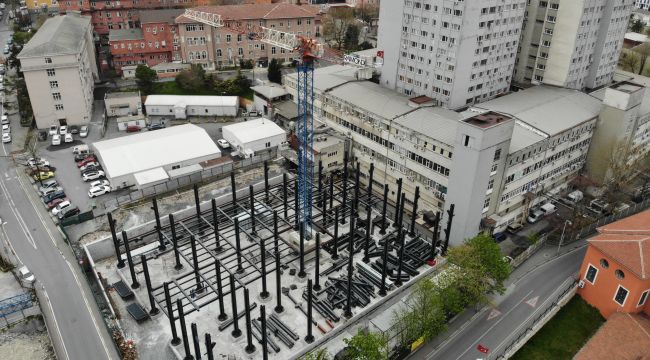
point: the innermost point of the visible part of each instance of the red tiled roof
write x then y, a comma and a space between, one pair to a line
623, 336
257, 11
628, 242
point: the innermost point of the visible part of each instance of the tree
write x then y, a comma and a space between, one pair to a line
320, 354
366, 45
336, 24
628, 61
275, 72
424, 314
644, 51
368, 12
352, 37
636, 26
366, 345
144, 77
192, 79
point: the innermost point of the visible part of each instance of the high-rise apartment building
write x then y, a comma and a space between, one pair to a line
456, 52
571, 43
642, 4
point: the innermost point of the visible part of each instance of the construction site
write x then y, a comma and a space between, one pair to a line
245, 275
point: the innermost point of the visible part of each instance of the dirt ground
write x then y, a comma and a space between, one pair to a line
27, 340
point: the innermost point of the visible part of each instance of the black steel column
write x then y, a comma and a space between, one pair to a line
250, 348
310, 337
383, 211
240, 269
152, 301
197, 204
371, 173
251, 198
264, 294
233, 297
135, 284
399, 193
348, 303
415, 210
222, 313
356, 188
284, 196
450, 218
177, 256
215, 220
195, 339
296, 205
301, 272
116, 242
366, 258
195, 262
209, 346
317, 265
266, 181
331, 191
382, 286
170, 314
320, 183
265, 350
335, 241
233, 188
345, 185
400, 259
158, 226
278, 266
436, 235
186, 342
324, 208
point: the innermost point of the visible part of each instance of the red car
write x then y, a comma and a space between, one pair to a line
85, 161
52, 204
133, 128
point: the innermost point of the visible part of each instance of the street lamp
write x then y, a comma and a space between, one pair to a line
562, 236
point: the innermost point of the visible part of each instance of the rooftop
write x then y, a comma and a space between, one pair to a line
158, 16
59, 35
120, 95
152, 149
435, 122
270, 91
373, 98
628, 242
257, 11
549, 109
252, 130
324, 141
125, 34
487, 120
625, 76
328, 77
623, 336
627, 87
170, 65
190, 100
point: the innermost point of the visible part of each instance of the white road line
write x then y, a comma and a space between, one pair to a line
27, 192
56, 323
21, 223
495, 324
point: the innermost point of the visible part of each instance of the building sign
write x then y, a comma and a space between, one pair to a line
353, 59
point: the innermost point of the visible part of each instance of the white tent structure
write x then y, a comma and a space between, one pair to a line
251, 136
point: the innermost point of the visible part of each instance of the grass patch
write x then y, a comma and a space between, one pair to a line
172, 88
564, 334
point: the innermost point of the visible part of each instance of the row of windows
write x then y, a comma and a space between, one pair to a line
140, 45
621, 294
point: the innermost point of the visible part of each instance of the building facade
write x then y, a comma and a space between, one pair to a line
59, 67
458, 53
41, 5
642, 4
225, 46
571, 43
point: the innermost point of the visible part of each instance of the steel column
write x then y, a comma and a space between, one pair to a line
186, 343
264, 294
301, 272
383, 211
215, 220
170, 314
116, 242
236, 332
310, 337
156, 214
366, 248
250, 348
152, 301
240, 269
335, 240
135, 284
195, 339
317, 265
450, 218
345, 185
266, 181
265, 350
222, 313
397, 201
415, 210
252, 208
177, 256
195, 261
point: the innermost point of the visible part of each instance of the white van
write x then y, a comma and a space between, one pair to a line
81, 149
548, 208
573, 197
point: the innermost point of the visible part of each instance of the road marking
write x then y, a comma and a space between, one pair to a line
494, 325
56, 323
29, 198
494, 313
533, 302
19, 219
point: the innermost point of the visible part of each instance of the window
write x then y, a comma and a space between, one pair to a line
591, 274
619, 274
174, 167
497, 154
604, 263
58, 107
54, 84
50, 72
621, 295
48, 60
56, 96
644, 297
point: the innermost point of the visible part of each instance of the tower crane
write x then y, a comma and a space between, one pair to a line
309, 50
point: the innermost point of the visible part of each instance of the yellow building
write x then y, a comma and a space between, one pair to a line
40, 4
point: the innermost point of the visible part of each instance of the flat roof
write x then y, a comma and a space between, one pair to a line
373, 98
435, 122
125, 34
170, 65
151, 176
152, 149
253, 130
549, 109
329, 77
159, 16
270, 91
192, 100
325, 140
487, 119
523, 137
120, 95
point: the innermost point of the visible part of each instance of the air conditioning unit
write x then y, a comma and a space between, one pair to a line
581, 284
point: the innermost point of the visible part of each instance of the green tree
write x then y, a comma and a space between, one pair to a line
628, 61
424, 314
352, 37
636, 26
320, 354
643, 51
366, 346
336, 24
480, 260
275, 72
145, 77
192, 79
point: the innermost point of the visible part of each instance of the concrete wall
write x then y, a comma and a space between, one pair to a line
178, 110
124, 105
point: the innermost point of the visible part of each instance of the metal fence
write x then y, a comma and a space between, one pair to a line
206, 175
530, 250
16, 308
538, 318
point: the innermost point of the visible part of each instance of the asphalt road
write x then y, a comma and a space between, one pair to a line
493, 327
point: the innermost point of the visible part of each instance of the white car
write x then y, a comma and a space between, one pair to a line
83, 132
89, 165
93, 175
63, 130
68, 138
5, 119
6, 128
26, 275
56, 139
54, 129
61, 206
6, 138
223, 143
33, 162
102, 182
50, 190
98, 190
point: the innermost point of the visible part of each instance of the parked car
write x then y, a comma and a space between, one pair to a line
156, 126
223, 143
68, 212
41, 169
86, 160
52, 196
83, 132
253, 113
60, 206
68, 138
93, 175
599, 207
534, 216
102, 182
25, 275
98, 190
81, 149
6, 138
548, 208
6, 128
82, 157
514, 228
52, 204
43, 175
48, 184
133, 128
500, 236
63, 129
5, 119
50, 190
74, 129
56, 139
54, 129
33, 162
89, 165
573, 197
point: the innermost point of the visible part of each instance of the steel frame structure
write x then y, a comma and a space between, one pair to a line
305, 131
